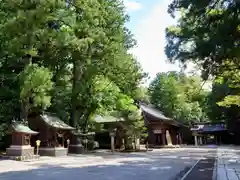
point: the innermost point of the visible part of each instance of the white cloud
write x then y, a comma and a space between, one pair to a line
132, 5
150, 34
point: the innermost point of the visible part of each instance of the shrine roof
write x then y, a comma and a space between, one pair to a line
154, 112
151, 110
19, 127
77, 132
107, 119
55, 122
209, 128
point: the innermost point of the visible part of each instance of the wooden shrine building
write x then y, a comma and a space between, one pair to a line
113, 126
209, 133
162, 131
20, 145
53, 133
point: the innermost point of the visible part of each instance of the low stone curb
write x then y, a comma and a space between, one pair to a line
21, 158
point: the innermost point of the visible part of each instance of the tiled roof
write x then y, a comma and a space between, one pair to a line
107, 119
209, 128
149, 109
22, 128
154, 112
55, 122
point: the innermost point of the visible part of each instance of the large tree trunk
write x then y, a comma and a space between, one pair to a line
74, 101
24, 110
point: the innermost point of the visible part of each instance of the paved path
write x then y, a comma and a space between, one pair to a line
204, 169
165, 164
228, 163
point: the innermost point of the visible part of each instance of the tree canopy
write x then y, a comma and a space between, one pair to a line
70, 58
179, 97
207, 33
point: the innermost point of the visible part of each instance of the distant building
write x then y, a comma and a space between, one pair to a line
162, 131
209, 133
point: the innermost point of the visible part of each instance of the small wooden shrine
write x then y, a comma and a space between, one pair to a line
115, 136
209, 133
79, 142
20, 146
53, 134
162, 131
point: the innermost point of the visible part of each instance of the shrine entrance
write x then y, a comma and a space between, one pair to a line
158, 139
162, 131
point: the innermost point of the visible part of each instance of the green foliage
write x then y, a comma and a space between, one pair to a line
207, 33
141, 94
35, 85
165, 93
230, 100
179, 96
68, 58
109, 99
136, 125
230, 74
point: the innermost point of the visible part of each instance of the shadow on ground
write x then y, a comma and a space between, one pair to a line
99, 172
142, 169
127, 166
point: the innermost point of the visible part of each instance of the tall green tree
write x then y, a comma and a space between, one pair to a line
207, 34
35, 86
231, 76
76, 41
179, 97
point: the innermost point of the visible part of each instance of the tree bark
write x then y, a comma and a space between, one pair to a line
75, 78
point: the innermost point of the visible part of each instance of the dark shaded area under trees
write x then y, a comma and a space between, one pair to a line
70, 59
208, 35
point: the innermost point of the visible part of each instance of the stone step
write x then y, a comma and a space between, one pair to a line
22, 158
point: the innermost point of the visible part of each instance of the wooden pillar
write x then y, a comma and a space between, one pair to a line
112, 134
22, 139
180, 138
200, 140
122, 144
196, 140
163, 138
112, 144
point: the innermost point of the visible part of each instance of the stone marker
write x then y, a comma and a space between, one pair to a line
168, 137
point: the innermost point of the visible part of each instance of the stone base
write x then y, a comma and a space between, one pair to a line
55, 151
76, 149
22, 158
164, 146
20, 151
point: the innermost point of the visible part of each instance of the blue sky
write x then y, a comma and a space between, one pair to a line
148, 21
149, 18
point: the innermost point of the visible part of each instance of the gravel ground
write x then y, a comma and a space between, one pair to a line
164, 164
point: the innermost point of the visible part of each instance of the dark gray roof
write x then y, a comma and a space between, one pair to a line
77, 132
204, 128
151, 110
107, 119
55, 122
154, 112
22, 128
